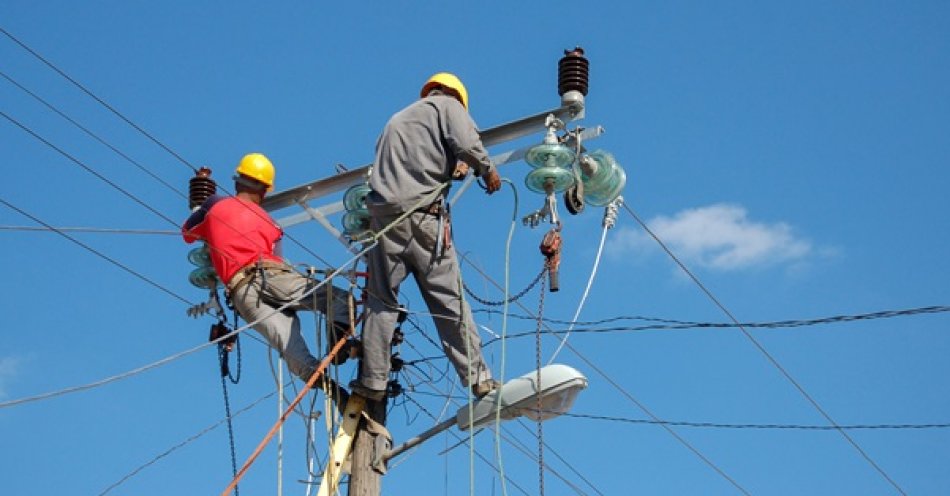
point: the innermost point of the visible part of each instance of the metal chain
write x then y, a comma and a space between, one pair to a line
222, 357
511, 299
537, 362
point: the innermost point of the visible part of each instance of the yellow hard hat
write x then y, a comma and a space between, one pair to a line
258, 167
450, 81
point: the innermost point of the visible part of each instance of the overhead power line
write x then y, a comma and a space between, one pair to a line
96, 98
129, 122
511, 439
775, 363
184, 443
623, 391
87, 168
686, 324
96, 230
92, 134
803, 427
98, 253
677, 325
724, 425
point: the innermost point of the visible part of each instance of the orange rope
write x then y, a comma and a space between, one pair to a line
260, 447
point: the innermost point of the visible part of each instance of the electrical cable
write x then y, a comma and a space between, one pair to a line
510, 439
193, 168
100, 176
184, 443
96, 98
91, 134
96, 252
765, 353
280, 422
481, 457
580, 306
686, 324
633, 399
522, 423
802, 427
504, 332
176, 356
96, 230
86, 167
735, 426
336, 348
537, 381
675, 325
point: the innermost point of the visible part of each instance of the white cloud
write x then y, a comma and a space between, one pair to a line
8, 371
719, 236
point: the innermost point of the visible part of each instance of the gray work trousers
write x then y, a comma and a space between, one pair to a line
276, 287
408, 248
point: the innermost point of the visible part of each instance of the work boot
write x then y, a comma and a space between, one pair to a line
482, 388
356, 387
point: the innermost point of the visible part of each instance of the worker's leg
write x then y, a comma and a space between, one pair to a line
281, 329
386, 271
287, 286
441, 287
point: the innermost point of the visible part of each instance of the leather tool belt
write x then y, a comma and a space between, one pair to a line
244, 275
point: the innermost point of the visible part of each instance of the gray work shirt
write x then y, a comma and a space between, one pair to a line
419, 149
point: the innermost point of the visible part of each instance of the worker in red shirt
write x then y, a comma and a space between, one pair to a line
244, 243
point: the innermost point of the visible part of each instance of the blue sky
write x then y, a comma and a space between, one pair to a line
793, 156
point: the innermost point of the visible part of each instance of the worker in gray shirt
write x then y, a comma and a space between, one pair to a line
421, 149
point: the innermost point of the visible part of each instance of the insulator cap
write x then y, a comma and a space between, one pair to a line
200, 188
573, 72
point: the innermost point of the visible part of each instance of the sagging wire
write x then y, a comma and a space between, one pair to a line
775, 363
96, 230
590, 363
96, 98
176, 356
510, 438
369, 244
91, 134
121, 116
280, 435
481, 457
468, 391
682, 325
610, 219
87, 168
504, 333
184, 443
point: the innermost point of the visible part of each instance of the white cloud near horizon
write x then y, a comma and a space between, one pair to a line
8, 371
719, 236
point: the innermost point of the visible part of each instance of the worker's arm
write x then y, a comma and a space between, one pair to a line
192, 228
464, 140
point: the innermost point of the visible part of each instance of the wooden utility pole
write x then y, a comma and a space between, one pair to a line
365, 480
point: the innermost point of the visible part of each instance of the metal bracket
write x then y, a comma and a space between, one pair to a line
212, 305
548, 211
382, 443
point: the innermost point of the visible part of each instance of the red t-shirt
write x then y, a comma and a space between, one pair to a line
238, 233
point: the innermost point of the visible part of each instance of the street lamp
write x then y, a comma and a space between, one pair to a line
559, 386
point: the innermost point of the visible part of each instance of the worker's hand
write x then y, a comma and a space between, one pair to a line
461, 170
492, 181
